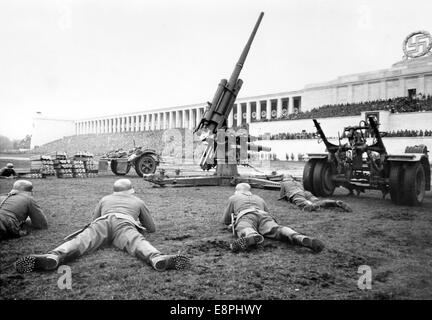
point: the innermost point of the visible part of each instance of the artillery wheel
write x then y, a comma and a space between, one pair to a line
308, 175
396, 182
145, 165
323, 184
414, 184
114, 168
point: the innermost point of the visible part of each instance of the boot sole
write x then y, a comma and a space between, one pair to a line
177, 262
314, 244
245, 242
32, 263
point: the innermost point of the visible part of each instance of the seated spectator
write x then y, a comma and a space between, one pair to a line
8, 171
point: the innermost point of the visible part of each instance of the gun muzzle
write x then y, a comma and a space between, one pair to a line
253, 147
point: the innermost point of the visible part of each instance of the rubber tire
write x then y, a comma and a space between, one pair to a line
323, 186
396, 178
114, 168
308, 175
148, 162
414, 184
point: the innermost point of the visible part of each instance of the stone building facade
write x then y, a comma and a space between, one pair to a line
411, 76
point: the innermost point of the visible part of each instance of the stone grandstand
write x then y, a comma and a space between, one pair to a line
99, 144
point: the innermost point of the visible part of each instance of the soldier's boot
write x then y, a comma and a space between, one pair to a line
37, 262
311, 207
343, 205
162, 262
245, 242
314, 244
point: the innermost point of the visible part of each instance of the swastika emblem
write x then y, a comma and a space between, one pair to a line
417, 44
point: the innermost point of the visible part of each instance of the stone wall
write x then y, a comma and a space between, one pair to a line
101, 143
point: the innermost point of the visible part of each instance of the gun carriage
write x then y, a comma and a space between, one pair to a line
357, 165
143, 160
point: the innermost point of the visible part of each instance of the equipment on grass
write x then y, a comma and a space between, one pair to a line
145, 161
358, 165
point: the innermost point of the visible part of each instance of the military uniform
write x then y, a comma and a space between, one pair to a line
15, 208
7, 172
250, 217
119, 219
294, 192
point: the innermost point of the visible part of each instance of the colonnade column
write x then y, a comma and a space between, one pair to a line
258, 110
198, 117
279, 107
248, 112
171, 120
290, 105
268, 109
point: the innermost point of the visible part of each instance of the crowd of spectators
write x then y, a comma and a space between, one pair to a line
309, 135
293, 136
409, 133
396, 105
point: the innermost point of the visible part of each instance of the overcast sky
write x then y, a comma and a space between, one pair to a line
75, 59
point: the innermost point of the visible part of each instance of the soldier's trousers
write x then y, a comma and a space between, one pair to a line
303, 199
104, 231
9, 226
252, 223
306, 199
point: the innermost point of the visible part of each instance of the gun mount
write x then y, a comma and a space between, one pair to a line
224, 150
357, 165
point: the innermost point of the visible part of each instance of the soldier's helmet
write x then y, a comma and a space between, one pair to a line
9, 165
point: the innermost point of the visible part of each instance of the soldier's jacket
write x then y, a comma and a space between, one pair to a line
240, 203
128, 206
289, 188
20, 206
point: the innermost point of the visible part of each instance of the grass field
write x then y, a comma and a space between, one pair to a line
395, 241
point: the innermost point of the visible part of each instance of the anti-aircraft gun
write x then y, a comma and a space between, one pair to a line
357, 165
213, 124
225, 149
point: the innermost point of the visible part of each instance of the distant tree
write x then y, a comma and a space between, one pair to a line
5, 143
25, 143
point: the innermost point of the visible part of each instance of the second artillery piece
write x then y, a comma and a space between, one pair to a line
357, 165
144, 160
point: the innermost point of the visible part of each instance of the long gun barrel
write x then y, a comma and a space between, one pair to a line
379, 145
330, 146
217, 113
